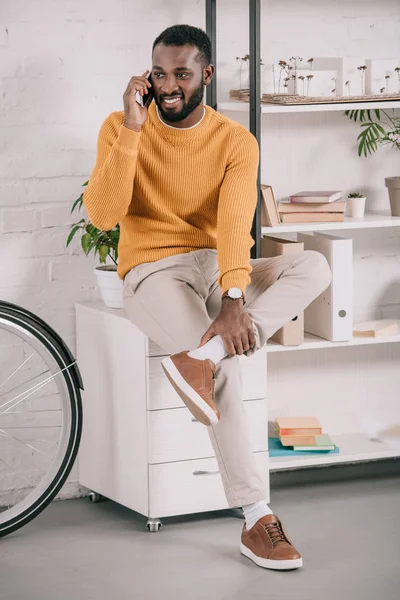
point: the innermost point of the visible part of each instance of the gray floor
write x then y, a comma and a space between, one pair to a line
348, 534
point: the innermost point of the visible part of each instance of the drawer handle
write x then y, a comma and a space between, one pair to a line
205, 472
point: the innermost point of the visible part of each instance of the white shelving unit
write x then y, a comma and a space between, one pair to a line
371, 220
238, 106
312, 342
357, 446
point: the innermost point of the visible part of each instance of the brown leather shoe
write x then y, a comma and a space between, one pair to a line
268, 545
194, 381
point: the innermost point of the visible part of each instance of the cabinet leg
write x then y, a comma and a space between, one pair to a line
153, 525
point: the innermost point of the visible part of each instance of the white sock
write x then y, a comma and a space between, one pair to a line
253, 512
213, 349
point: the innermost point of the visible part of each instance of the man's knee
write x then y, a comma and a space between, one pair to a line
319, 269
228, 367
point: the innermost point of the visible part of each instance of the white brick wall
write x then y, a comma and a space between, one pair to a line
64, 67
19, 219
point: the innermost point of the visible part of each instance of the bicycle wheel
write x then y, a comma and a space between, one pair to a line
40, 415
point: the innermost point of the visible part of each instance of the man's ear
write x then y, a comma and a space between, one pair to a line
208, 73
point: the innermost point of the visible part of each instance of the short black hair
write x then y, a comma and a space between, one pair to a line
180, 35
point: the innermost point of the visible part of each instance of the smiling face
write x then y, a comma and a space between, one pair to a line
178, 79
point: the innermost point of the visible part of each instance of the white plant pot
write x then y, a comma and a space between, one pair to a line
110, 285
356, 207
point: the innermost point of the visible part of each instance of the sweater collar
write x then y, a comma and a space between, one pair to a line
178, 135
172, 127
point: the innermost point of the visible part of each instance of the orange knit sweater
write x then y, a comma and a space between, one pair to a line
176, 190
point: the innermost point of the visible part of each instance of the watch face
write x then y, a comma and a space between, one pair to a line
235, 292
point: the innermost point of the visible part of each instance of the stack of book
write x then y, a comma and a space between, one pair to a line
311, 207
303, 207
300, 435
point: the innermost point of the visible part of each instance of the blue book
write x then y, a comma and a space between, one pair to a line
275, 448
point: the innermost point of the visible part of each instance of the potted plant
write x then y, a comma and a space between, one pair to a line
356, 203
105, 245
393, 185
379, 129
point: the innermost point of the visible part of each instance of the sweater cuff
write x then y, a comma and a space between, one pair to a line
239, 279
128, 139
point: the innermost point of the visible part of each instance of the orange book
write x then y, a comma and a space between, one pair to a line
290, 207
310, 217
297, 426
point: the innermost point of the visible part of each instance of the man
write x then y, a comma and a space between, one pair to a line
181, 180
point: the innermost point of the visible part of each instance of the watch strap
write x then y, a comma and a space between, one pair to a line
226, 295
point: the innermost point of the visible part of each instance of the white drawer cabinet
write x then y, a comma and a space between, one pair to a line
161, 394
176, 434
189, 486
140, 445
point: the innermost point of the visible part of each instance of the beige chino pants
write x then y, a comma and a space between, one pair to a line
175, 299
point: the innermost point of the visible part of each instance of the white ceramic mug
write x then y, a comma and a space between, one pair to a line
356, 207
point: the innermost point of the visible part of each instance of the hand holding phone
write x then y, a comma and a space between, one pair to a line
148, 97
136, 115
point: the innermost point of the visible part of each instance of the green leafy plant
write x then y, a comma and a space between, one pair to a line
103, 243
378, 129
355, 195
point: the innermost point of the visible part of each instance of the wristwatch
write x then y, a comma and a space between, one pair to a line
234, 293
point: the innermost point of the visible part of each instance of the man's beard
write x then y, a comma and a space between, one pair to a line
187, 108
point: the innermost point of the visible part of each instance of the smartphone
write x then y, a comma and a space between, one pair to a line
147, 98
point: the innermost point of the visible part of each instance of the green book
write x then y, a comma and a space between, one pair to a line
275, 448
322, 442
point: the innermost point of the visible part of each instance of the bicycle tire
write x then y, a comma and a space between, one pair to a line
61, 354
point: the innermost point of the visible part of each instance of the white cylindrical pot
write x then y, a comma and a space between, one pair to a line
110, 285
356, 207
393, 185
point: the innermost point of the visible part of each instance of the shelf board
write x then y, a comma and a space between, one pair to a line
312, 342
237, 106
372, 219
355, 447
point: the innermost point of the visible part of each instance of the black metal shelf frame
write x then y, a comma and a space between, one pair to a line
255, 93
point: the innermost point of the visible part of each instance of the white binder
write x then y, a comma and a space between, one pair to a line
330, 316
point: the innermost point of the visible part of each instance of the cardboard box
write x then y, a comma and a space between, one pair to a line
292, 333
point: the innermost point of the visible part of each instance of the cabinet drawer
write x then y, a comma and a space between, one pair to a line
191, 486
175, 434
161, 394
153, 349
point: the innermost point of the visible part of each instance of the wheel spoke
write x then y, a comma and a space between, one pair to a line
26, 444
17, 369
45, 441
34, 389
24, 383
16, 475
24, 395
